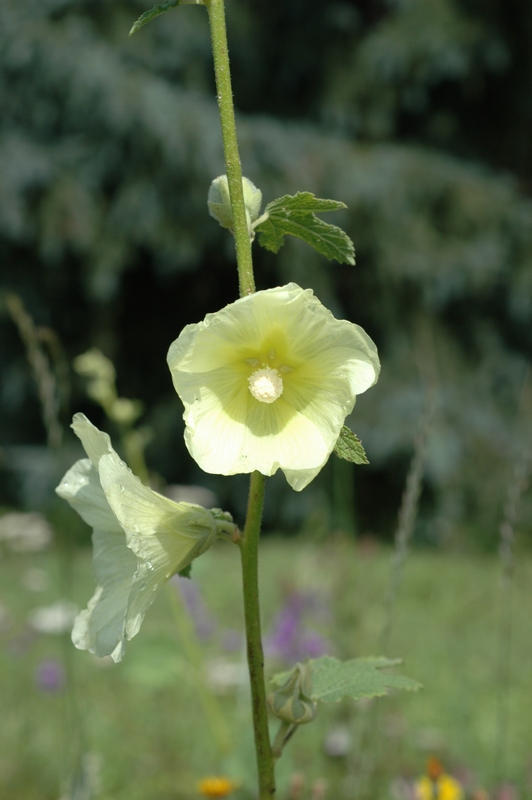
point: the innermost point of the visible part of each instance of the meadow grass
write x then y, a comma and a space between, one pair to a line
139, 727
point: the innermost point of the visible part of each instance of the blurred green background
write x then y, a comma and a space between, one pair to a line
416, 113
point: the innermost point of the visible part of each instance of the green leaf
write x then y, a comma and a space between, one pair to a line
295, 215
360, 677
154, 12
349, 447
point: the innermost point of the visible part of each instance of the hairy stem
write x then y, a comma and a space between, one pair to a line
249, 548
249, 544
233, 167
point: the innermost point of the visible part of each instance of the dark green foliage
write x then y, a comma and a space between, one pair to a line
295, 215
349, 447
153, 13
403, 111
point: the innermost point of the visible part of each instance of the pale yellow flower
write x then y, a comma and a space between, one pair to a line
140, 540
267, 383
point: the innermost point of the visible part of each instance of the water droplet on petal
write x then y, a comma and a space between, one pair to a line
150, 565
122, 487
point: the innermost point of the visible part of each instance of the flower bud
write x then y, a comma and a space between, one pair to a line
220, 205
292, 701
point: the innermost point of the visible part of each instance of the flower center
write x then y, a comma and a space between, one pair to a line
266, 385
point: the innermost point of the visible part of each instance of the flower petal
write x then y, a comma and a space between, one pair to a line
96, 443
100, 628
164, 536
82, 489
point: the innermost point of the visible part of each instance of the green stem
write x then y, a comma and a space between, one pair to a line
249, 548
249, 544
233, 167
284, 734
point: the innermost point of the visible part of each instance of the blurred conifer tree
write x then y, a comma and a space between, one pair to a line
416, 113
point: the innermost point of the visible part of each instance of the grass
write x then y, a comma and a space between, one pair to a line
145, 736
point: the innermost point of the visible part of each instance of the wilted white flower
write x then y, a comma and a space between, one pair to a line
140, 540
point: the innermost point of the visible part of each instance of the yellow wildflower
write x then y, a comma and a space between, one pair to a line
437, 785
216, 787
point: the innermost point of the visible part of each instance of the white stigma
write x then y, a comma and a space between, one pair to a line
266, 385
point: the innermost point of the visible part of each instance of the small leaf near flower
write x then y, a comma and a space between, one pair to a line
358, 678
186, 572
295, 215
349, 447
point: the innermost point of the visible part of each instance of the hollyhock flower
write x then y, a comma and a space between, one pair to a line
267, 383
140, 540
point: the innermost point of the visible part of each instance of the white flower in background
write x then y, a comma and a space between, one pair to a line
267, 383
54, 619
25, 532
140, 540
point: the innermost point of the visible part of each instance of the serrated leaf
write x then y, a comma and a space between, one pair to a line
358, 678
304, 201
154, 12
295, 215
349, 447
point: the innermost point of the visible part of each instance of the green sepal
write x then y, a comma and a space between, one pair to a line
160, 8
295, 215
186, 572
358, 678
349, 447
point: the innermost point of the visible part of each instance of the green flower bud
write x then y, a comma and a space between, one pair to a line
124, 411
292, 702
100, 374
220, 204
93, 364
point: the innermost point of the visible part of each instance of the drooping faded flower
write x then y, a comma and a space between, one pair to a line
267, 383
140, 540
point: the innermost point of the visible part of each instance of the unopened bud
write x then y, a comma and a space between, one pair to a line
220, 205
292, 701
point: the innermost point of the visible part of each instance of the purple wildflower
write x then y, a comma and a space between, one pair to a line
50, 676
294, 637
204, 622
